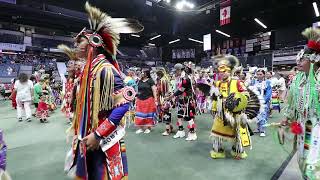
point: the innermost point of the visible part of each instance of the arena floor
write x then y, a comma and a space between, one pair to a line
37, 152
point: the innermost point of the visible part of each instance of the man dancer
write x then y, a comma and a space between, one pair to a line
186, 103
164, 107
230, 101
98, 149
263, 87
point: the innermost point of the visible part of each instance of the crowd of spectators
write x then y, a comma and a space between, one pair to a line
10, 63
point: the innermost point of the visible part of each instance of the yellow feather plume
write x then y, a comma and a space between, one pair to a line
312, 34
68, 51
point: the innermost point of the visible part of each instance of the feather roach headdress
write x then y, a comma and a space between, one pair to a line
312, 50
226, 62
104, 30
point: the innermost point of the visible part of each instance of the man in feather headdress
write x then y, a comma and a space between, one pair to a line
303, 110
230, 100
98, 149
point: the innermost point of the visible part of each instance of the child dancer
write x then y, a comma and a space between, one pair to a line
166, 110
42, 110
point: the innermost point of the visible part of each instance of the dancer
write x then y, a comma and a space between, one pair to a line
42, 108
69, 86
37, 92
3, 159
275, 98
229, 107
263, 87
303, 109
146, 103
186, 108
13, 95
23, 88
99, 150
164, 106
201, 98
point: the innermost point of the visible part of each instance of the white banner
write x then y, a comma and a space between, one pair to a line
12, 47
207, 42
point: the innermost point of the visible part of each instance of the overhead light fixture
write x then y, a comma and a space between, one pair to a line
168, 1
150, 44
184, 4
177, 40
260, 23
194, 40
155, 37
189, 4
135, 35
225, 34
316, 10
179, 5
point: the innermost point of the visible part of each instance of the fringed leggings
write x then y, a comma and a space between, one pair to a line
218, 145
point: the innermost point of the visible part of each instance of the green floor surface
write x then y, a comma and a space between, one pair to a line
37, 152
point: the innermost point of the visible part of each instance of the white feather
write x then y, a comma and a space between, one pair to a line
230, 118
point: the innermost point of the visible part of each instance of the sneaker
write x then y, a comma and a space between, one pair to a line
179, 134
262, 134
45, 121
217, 155
238, 156
28, 119
191, 136
139, 131
147, 131
165, 133
20, 119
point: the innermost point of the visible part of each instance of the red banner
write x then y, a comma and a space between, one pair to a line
225, 12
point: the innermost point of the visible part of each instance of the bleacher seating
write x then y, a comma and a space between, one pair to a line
131, 52
11, 65
43, 42
14, 37
9, 70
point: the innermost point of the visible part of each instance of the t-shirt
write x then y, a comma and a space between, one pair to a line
145, 89
23, 90
282, 84
37, 92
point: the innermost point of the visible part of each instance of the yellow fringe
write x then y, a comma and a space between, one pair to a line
102, 100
